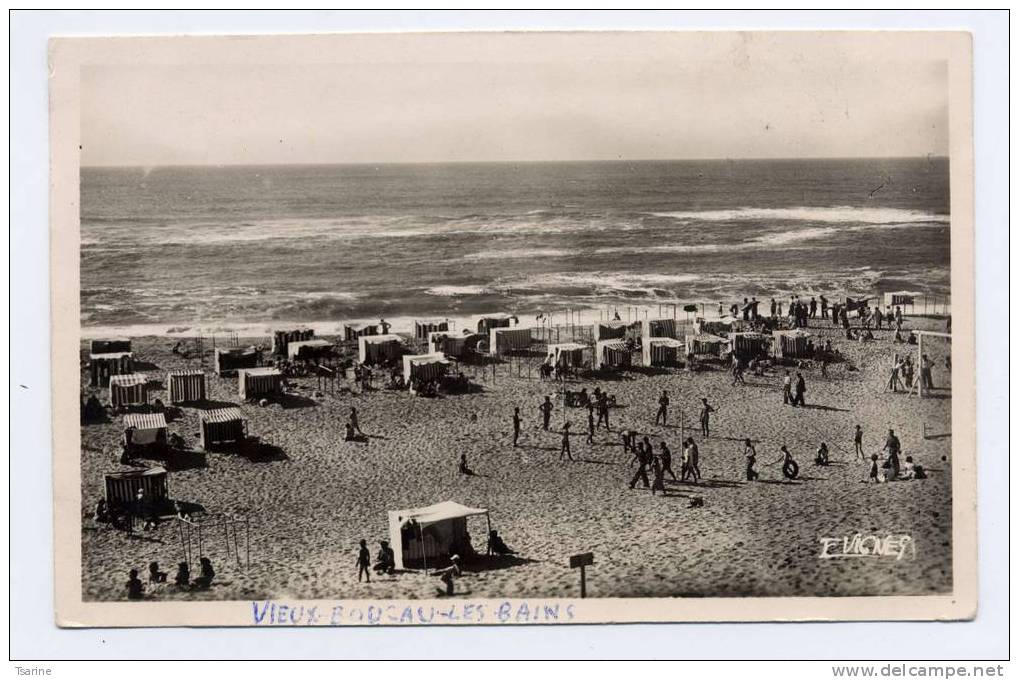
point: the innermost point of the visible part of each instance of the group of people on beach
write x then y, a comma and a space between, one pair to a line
182, 579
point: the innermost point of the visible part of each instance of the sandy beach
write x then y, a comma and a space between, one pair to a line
309, 509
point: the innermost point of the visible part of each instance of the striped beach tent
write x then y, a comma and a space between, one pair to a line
609, 330
423, 328
185, 385
508, 339
705, 343
256, 382
373, 349
663, 351
122, 488
147, 428
749, 345
281, 339
791, 344
424, 366
128, 390
566, 354
612, 354
103, 366
221, 426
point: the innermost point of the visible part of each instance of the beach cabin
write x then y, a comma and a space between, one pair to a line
423, 328
568, 354
253, 383
424, 367
353, 331
103, 366
792, 344
185, 385
110, 346
430, 535
506, 339
308, 350
609, 330
723, 324
230, 360
489, 321
612, 354
746, 346
659, 342
281, 339
147, 429
377, 349
706, 344
221, 426
122, 490
128, 390
662, 351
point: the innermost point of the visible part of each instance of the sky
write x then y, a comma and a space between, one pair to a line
642, 105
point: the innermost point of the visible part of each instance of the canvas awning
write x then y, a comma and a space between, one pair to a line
222, 415
145, 421
109, 356
135, 474
666, 342
128, 380
294, 349
439, 512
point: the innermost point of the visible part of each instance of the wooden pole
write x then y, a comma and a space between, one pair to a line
919, 364
583, 582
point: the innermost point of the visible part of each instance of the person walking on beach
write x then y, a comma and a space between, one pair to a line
666, 457
751, 455
564, 450
773, 308
926, 374
516, 426
546, 412
824, 307
873, 468
790, 468
737, 372
878, 317
353, 421
642, 463
695, 461
364, 562
858, 443
706, 411
813, 308
893, 447
787, 389
590, 425
801, 389
603, 411
663, 407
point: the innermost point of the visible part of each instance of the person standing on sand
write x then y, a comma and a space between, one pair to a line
642, 463
893, 379
737, 372
564, 450
751, 455
824, 307
873, 468
773, 308
353, 421
546, 412
858, 443
790, 469
590, 425
663, 407
706, 411
659, 477
787, 389
801, 389
364, 562
695, 461
813, 308
603, 411
516, 426
666, 458
893, 447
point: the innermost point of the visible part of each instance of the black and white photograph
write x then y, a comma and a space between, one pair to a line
515, 328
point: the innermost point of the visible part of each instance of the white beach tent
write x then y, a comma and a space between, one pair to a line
427, 533
372, 348
503, 339
424, 366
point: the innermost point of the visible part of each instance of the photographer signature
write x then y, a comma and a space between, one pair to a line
897, 546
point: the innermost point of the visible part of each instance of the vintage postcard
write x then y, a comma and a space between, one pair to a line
513, 328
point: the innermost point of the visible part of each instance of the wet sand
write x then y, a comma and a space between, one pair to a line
309, 509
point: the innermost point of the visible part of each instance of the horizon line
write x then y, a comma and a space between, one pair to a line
929, 156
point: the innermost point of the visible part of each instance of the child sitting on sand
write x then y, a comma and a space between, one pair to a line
821, 458
462, 466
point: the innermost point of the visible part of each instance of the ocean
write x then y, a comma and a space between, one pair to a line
174, 248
